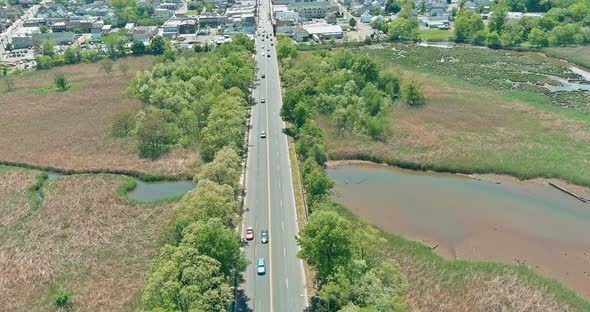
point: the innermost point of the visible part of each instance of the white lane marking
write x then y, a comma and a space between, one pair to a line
287, 282
285, 252
283, 226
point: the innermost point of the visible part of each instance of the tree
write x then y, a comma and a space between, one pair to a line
493, 40
44, 29
72, 55
48, 48
366, 68
352, 22
180, 279
293, 96
392, 6
497, 19
326, 243
403, 28
467, 24
537, 37
317, 183
107, 66
286, 47
412, 95
123, 123
214, 240
169, 55
226, 168
154, 134
60, 81
158, 45
207, 202
9, 82
124, 68
137, 48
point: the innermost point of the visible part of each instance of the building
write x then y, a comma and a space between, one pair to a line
300, 34
171, 28
211, 20
324, 31
366, 17
311, 10
187, 26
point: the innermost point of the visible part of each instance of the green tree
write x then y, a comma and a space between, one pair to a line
226, 168
292, 97
48, 48
326, 243
123, 123
412, 95
214, 240
137, 48
317, 184
537, 37
107, 66
61, 83
158, 45
497, 19
366, 68
493, 40
169, 55
154, 134
352, 22
188, 123
403, 29
207, 202
286, 47
72, 55
180, 279
467, 24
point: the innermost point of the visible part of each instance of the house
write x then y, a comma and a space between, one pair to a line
366, 17
378, 19
163, 13
437, 22
140, 35
300, 34
470, 5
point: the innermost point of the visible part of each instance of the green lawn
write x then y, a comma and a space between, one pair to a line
436, 35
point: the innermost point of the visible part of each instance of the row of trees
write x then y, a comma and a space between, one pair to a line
115, 44
129, 11
197, 270
349, 88
351, 273
194, 99
560, 26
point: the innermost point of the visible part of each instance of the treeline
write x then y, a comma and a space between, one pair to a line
129, 11
352, 273
198, 269
194, 99
350, 89
564, 25
116, 47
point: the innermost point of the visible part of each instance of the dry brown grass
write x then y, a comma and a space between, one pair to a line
83, 238
472, 130
71, 130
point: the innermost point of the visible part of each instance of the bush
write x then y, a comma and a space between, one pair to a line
412, 95
62, 298
123, 123
60, 81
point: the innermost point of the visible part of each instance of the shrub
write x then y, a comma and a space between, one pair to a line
60, 81
123, 123
62, 298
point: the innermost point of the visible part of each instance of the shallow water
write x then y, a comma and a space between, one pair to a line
151, 191
567, 85
476, 220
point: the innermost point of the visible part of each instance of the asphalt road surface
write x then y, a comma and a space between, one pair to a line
269, 201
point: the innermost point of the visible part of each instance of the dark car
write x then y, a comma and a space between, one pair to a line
263, 75
264, 236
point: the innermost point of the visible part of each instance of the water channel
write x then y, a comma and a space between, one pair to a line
506, 222
147, 191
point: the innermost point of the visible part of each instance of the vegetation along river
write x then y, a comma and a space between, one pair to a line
508, 222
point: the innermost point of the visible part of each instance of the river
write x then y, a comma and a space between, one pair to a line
470, 219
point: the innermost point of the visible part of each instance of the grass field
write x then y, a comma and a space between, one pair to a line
71, 129
436, 34
83, 237
578, 55
474, 129
440, 285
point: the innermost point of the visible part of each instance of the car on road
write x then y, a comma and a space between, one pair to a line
262, 100
261, 267
249, 233
263, 76
262, 134
264, 236
268, 55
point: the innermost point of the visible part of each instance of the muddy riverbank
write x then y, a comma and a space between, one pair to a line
477, 217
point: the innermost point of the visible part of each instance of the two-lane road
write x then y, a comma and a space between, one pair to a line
269, 199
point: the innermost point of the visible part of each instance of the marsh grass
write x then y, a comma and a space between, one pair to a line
577, 55
434, 35
83, 237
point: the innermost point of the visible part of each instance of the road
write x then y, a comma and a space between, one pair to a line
269, 198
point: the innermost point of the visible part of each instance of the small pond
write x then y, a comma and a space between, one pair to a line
146, 191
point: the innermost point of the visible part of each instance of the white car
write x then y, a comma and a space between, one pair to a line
262, 134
